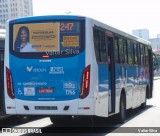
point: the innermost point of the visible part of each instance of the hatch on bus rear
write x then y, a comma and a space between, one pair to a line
47, 59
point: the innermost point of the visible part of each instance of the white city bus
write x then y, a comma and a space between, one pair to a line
2, 43
65, 66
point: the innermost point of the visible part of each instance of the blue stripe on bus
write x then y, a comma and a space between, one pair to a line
103, 76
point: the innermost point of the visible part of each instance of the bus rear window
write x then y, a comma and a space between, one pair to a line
50, 38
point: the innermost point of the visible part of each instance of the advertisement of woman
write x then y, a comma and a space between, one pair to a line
22, 43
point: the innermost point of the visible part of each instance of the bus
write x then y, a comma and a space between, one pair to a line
66, 66
3, 114
2, 43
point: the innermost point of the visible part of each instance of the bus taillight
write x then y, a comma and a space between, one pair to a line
85, 83
10, 88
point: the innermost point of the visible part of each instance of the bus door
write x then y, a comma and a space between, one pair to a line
111, 74
1, 81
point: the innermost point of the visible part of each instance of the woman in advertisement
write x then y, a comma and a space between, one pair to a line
22, 43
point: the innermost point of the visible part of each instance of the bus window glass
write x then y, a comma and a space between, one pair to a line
116, 49
130, 53
100, 46
59, 38
125, 51
136, 53
96, 44
142, 55
103, 50
2, 43
121, 51
146, 56
139, 54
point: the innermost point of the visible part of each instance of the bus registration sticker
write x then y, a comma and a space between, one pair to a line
29, 91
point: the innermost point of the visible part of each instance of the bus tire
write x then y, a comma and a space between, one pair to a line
60, 120
122, 110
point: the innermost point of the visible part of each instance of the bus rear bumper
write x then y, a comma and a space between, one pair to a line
70, 107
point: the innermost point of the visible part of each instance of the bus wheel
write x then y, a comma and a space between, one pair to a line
60, 120
122, 110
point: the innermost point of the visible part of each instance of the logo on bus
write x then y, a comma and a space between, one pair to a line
29, 69
37, 70
56, 70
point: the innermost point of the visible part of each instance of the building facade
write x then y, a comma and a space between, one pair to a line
155, 42
142, 33
10, 9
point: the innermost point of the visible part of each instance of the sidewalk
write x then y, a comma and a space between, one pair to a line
156, 77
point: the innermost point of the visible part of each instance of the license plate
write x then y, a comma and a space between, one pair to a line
45, 90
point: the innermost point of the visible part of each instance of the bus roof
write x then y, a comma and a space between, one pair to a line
120, 32
49, 17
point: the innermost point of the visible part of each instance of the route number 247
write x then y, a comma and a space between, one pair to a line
68, 26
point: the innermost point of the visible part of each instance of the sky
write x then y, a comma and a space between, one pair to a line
125, 15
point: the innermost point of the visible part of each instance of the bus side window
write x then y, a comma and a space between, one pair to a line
142, 55
116, 49
139, 54
2, 43
100, 46
103, 49
121, 50
125, 51
96, 44
130, 53
135, 53
146, 56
